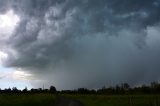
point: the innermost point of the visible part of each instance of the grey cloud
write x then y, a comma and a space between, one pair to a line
85, 43
2, 77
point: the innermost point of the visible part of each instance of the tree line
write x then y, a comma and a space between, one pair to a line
124, 88
52, 89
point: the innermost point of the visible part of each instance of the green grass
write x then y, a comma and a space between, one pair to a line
43, 99
118, 100
27, 99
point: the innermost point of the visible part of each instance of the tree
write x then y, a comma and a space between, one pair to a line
14, 89
154, 85
52, 89
125, 86
25, 89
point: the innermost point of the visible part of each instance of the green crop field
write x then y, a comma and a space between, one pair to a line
43, 99
27, 99
118, 100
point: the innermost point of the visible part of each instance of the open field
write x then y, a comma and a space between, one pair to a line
89, 100
118, 100
27, 99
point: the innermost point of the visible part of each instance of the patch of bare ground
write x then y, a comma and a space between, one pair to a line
64, 101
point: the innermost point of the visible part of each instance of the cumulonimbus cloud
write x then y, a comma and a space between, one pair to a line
86, 43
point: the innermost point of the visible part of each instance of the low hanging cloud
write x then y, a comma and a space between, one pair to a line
85, 43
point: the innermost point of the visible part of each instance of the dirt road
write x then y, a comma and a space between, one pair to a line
64, 101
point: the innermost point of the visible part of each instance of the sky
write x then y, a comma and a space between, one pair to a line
79, 43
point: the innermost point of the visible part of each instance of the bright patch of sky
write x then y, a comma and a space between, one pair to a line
8, 23
10, 77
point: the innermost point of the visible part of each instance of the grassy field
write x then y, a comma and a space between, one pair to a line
27, 99
88, 100
118, 100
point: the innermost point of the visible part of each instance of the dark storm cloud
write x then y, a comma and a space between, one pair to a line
86, 43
